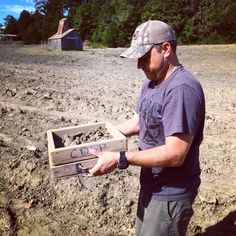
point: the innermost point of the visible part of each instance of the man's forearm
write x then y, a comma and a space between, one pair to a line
171, 154
129, 127
154, 157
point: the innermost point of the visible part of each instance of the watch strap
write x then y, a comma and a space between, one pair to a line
123, 163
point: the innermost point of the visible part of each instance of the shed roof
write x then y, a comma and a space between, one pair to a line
59, 36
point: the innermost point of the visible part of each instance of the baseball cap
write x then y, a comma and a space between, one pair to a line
147, 34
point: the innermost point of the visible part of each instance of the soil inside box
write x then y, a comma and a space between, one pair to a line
101, 133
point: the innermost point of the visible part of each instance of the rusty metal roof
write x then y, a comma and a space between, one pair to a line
59, 36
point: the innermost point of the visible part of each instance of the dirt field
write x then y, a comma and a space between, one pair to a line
41, 90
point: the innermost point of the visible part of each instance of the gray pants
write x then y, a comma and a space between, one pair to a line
163, 218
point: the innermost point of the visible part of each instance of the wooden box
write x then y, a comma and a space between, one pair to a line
71, 160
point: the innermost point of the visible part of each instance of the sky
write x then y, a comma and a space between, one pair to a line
14, 8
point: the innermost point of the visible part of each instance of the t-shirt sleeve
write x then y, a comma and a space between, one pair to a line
181, 111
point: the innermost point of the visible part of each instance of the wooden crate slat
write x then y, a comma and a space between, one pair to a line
73, 168
51, 145
81, 152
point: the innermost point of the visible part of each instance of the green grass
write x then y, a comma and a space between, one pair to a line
43, 50
11, 42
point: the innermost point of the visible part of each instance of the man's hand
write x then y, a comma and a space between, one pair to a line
107, 162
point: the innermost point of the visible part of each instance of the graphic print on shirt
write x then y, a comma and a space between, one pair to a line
151, 116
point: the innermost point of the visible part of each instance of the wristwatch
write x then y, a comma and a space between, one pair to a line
123, 163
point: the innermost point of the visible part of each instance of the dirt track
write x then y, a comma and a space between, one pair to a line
41, 90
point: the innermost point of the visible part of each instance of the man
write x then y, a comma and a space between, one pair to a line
169, 119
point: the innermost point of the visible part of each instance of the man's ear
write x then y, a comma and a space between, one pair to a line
166, 47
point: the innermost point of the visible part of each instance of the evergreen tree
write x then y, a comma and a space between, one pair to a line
218, 21
30, 27
23, 22
85, 18
1, 28
112, 22
11, 26
52, 10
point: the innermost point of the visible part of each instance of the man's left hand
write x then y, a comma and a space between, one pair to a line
107, 162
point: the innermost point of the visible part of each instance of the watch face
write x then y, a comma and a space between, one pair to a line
123, 165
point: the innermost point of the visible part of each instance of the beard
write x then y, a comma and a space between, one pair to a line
158, 74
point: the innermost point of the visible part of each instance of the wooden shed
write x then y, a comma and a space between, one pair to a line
65, 38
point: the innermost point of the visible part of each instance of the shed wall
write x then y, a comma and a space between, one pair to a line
72, 41
54, 44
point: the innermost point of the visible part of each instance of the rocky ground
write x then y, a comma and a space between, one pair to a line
42, 90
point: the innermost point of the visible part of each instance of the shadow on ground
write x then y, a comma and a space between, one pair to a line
226, 227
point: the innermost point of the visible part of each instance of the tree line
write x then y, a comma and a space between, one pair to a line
111, 22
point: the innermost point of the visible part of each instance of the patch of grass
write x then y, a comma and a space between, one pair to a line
11, 42
35, 50
97, 45
43, 50
226, 49
214, 48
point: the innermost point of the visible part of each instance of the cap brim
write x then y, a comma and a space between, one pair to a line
136, 52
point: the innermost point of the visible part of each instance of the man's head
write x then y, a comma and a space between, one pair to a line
154, 45
146, 36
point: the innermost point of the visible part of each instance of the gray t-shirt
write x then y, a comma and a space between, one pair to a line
177, 105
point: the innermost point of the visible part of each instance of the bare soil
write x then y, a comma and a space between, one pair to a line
42, 90
86, 137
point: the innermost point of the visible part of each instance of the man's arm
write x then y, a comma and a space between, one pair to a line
172, 154
129, 127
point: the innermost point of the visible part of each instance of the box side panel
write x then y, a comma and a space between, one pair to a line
51, 145
81, 152
72, 168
